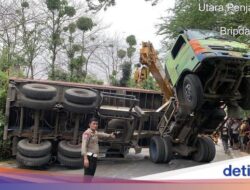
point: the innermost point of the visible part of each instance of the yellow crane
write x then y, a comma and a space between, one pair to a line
149, 58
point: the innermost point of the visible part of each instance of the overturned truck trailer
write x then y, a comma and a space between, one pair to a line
46, 119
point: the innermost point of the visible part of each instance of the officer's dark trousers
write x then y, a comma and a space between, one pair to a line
90, 171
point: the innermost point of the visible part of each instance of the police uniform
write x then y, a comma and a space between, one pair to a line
90, 148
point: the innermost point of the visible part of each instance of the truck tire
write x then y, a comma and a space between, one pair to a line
80, 96
123, 125
39, 91
192, 92
77, 108
70, 162
168, 149
69, 150
211, 149
202, 150
117, 123
157, 149
32, 162
34, 150
244, 103
37, 104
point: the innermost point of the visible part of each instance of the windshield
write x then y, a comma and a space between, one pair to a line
206, 34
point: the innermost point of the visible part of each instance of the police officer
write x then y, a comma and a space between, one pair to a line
90, 147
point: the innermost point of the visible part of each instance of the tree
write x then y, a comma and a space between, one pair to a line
121, 54
185, 14
71, 49
84, 24
30, 35
126, 67
59, 13
9, 34
131, 41
108, 58
105, 4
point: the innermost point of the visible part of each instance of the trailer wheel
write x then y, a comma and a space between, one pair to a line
32, 162
37, 104
113, 124
192, 92
70, 162
34, 150
119, 124
39, 91
245, 91
77, 108
211, 149
69, 150
202, 150
81, 96
157, 149
168, 149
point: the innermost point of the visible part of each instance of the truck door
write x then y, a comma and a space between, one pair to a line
178, 56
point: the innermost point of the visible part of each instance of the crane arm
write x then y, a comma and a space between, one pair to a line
148, 57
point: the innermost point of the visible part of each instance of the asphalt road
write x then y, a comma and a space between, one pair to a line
135, 165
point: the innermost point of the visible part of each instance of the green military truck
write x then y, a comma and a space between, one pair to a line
208, 73
208, 69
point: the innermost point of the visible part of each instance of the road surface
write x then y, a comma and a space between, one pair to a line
135, 165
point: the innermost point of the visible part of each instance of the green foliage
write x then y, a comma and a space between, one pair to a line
121, 54
186, 14
72, 28
53, 4
59, 75
5, 150
92, 80
25, 4
78, 62
71, 53
84, 24
76, 47
65, 29
131, 40
4, 59
56, 39
5, 146
3, 90
11, 63
113, 80
126, 73
70, 11
59, 9
126, 66
130, 51
131, 83
150, 84
105, 4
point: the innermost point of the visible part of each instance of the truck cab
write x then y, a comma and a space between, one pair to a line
207, 68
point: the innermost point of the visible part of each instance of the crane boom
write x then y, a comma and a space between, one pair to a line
148, 57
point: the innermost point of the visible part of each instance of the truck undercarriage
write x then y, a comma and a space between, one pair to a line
43, 129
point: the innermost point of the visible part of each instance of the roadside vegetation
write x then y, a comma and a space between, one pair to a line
4, 146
